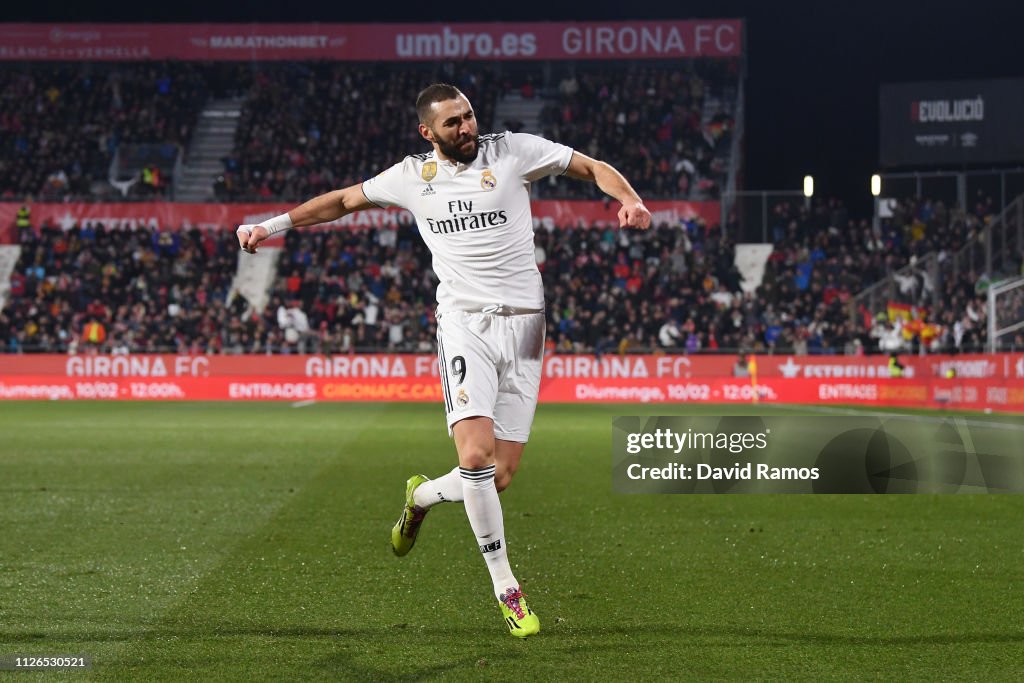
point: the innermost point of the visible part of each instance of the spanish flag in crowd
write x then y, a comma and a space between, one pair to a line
914, 319
94, 333
904, 312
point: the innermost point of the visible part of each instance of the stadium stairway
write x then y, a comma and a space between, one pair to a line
254, 278
9, 255
213, 140
515, 107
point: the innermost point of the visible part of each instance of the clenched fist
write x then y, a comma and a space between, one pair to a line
634, 215
249, 236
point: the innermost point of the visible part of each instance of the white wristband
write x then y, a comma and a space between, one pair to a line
277, 224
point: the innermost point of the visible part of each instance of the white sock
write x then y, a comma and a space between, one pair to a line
484, 512
445, 489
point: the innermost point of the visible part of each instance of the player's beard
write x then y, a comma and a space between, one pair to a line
456, 151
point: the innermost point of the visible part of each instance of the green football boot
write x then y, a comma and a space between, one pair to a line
519, 618
403, 534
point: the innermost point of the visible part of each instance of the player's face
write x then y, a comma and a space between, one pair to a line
453, 129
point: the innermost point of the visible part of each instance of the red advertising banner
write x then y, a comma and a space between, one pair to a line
1000, 366
174, 216
240, 388
934, 393
372, 42
964, 366
567, 378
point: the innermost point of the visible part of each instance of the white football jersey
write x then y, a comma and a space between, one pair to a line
475, 218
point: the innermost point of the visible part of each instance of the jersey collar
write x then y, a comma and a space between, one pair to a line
452, 167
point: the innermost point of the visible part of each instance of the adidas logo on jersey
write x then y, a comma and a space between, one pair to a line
428, 190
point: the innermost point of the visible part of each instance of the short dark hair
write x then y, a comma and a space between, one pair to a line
438, 92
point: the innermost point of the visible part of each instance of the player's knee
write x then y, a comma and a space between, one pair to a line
476, 457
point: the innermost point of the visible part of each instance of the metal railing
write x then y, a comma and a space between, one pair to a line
735, 150
963, 188
997, 247
753, 211
916, 284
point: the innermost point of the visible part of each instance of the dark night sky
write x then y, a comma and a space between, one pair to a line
813, 67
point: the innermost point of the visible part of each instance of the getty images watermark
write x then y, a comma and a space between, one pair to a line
832, 454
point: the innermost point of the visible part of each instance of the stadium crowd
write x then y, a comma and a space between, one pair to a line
674, 287
91, 288
307, 128
61, 124
310, 126
346, 122
825, 254
679, 136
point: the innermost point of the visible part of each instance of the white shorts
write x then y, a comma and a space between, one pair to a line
490, 366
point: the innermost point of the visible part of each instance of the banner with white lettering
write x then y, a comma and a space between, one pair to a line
993, 382
952, 122
998, 366
373, 42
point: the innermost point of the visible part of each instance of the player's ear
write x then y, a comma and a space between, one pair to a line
427, 134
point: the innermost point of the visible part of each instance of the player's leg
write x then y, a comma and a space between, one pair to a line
507, 455
444, 489
467, 362
514, 407
468, 384
421, 494
518, 389
474, 439
448, 487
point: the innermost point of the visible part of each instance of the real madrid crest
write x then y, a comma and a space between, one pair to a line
462, 399
488, 181
429, 171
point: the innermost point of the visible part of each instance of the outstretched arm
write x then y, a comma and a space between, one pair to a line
633, 213
323, 209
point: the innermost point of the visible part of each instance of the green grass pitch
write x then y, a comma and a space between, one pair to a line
217, 541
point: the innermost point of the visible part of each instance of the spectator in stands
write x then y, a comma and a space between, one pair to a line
669, 335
